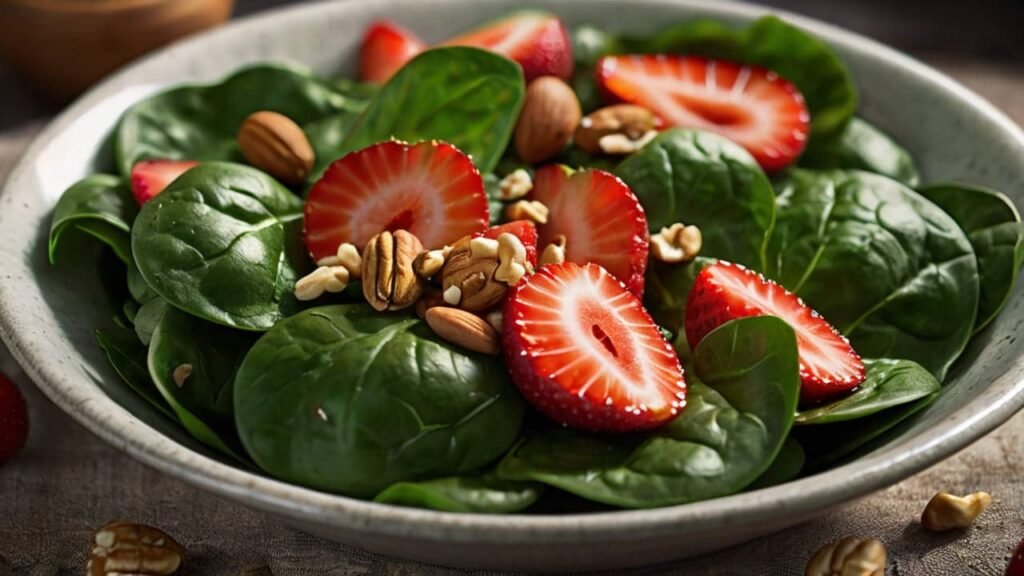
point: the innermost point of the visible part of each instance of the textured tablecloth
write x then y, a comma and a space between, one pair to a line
67, 482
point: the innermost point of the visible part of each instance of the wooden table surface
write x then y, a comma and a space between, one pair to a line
67, 482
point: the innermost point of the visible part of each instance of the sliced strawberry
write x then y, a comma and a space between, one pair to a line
536, 40
752, 106
582, 349
386, 48
430, 189
723, 291
600, 218
525, 230
150, 177
13, 420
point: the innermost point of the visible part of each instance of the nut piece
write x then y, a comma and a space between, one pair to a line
532, 210
125, 548
389, 282
511, 259
275, 144
181, 374
468, 280
553, 253
848, 557
622, 145
676, 243
496, 319
634, 123
348, 257
332, 279
946, 511
549, 117
515, 185
464, 329
428, 263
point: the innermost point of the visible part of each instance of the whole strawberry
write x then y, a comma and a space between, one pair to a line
13, 420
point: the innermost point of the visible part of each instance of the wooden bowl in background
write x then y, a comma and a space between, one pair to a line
64, 46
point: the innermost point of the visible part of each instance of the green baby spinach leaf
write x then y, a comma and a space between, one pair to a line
862, 146
223, 243
467, 97
200, 122
771, 43
137, 287
101, 206
349, 400
993, 226
829, 444
148, 318
202, 401
741, 398
889, 269
887, 383
476, 494
704, 179
128, 358
589, 44
787, 466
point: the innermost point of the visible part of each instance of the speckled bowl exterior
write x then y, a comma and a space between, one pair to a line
47, 315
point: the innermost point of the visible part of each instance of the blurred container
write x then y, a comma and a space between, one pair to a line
63, 46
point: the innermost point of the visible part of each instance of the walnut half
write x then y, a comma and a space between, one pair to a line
136, 549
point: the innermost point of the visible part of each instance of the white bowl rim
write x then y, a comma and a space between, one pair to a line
108, 420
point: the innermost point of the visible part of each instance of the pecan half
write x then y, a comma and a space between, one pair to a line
389, 282
468, 278
125, 548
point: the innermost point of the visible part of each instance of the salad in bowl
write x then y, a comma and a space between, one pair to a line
530, 269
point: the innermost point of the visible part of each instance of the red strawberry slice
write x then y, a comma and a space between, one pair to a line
150, 177
600, 218
752, 106
13, 420
430, 189
536, 40
525, 230
386, 48
723, 291
582, 349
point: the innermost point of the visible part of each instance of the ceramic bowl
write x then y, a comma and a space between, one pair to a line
47, 316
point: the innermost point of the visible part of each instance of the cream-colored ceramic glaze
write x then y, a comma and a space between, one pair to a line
47, 316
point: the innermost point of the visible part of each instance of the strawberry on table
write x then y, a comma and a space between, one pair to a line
150, 177
752, 106
583, 350
525, 230
600, 218
430, 189
536, 40
386, 48
13, 420
829, 367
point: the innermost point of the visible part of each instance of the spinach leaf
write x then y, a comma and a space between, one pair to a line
349, 400
222, 242
99, 205
480, 494
737, 417
467, 97
589, 44
137, 287
888, 383
829, 444
885, 266
771, 43
148, 318
492, 186
200, 122
128, 358
667, 288
202, 402
704, 179
326, 136
993, 226
787, 466
862, 146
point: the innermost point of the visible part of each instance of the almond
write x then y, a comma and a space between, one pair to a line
548, 120
275, 144
464, 329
